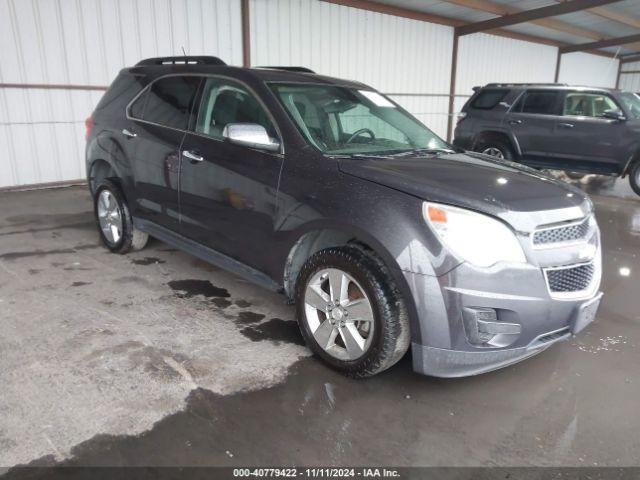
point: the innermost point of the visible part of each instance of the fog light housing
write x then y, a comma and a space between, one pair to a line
483, 328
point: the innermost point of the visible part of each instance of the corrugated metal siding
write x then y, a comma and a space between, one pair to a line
86, 42
585, 69
630, 81
486, 58
392, 54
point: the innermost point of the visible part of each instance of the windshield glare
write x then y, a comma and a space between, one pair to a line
346, 121
632, 102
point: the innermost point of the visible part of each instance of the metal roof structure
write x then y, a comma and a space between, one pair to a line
604, 27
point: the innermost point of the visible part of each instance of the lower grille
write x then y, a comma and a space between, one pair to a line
570, 279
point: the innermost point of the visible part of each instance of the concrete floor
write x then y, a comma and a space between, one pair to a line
156, 358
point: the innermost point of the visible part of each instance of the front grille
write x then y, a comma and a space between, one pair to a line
568, 233
570, 279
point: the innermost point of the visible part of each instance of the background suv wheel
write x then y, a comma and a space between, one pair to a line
114, 220
349, 312
496, 148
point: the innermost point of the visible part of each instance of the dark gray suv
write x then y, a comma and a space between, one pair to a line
382, 234
578, 129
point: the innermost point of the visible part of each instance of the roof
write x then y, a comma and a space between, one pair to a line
588, 21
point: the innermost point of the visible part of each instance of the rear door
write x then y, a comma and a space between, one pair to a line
228, 192
159, 118
532, 121
588, 141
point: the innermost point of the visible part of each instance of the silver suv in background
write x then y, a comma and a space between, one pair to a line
577, 129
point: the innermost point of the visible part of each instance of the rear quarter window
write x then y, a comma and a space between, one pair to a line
487, 99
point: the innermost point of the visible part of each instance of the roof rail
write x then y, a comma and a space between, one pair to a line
290, 69
526, 84
184, 60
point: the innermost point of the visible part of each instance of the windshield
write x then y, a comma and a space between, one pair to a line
347, 121
632, 102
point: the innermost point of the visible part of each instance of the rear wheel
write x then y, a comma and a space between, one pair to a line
496, 147
114, 220
634, 177
349, 312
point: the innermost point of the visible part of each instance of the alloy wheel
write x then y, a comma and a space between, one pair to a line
494, 152
339, 314
110, 217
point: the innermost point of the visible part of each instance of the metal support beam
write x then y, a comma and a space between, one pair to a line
246, 36
530, 15
452, 87
558, 61
611, 42
630, 58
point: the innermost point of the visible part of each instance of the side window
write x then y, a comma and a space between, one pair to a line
488, 98
167, 102
587, 104
223, 102
538, 102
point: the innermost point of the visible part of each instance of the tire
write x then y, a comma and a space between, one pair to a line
114, 221
371, 296
634, 177
499, 148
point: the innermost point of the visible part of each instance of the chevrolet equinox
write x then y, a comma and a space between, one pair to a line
382, 234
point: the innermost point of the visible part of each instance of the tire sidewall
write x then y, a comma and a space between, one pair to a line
341, 263
634, 173
125, 239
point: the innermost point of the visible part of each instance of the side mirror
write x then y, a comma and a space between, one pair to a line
250, 135
614, 114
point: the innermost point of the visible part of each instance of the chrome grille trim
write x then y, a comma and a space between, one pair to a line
550, 237
572, 281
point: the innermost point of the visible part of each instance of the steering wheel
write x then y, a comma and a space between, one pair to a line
357, 133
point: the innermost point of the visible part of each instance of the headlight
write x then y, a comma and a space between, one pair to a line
473, 237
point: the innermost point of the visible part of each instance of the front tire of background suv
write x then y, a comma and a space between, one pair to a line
114, 221
634, 177
495, 147
350, 313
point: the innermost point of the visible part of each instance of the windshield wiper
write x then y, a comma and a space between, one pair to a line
428, 151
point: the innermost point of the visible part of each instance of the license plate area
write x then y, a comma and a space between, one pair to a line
585, 314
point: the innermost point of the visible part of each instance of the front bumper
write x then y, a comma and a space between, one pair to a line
518, 295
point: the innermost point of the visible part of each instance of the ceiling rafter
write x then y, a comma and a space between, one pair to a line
531, 15
611, 42
616, 16
500, 9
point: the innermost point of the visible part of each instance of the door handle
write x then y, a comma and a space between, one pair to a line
128, 133
193, 156
566, 125
515, 122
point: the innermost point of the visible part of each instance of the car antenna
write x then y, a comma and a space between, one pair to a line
183, 52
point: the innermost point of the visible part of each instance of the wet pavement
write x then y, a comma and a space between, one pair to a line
155, 358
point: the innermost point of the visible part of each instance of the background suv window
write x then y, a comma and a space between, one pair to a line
487, 98
167, 102
587, 104
538, 102
225, 102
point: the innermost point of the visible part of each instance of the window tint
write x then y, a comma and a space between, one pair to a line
587, 104
223, 102
543, 103
487, 99
167, 102
632, 102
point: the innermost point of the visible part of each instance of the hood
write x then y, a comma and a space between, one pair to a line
475, 181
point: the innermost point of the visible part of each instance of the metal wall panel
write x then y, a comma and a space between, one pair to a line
392, 54
87, 42
581, 68
630, 81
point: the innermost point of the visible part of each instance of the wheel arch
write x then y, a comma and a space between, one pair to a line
100, 169
487, 135
317, 238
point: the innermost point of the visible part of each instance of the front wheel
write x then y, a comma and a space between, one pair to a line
634, 177
350, 313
